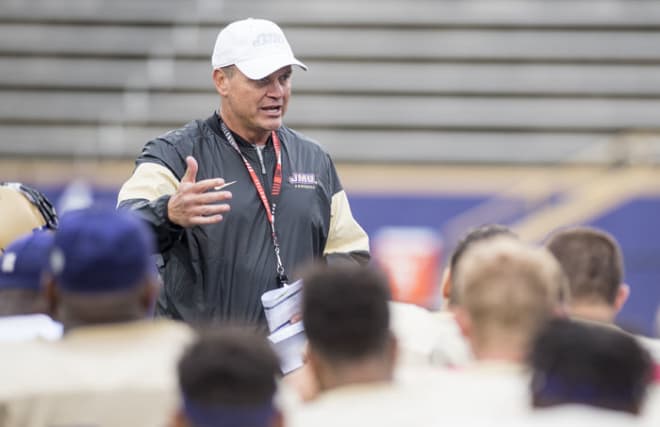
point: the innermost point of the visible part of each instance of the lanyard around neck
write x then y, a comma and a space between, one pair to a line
271, 206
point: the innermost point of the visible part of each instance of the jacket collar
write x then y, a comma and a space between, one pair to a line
214, 123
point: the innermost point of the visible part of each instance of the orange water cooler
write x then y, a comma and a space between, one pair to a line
411, 256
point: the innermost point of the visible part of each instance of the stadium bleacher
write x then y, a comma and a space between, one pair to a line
456, 78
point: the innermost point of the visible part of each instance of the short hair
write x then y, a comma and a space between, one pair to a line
507, 286
592, 261
229, 70
228, 367
473, 236
14, 302
345, 311
477, 234
574, 362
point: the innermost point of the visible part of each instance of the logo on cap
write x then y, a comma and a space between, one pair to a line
268, 38
57, 261
8, 262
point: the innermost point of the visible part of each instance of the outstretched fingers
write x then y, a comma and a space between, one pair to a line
209, 210
197, 203
205, 185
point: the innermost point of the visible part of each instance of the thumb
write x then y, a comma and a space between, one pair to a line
191, 171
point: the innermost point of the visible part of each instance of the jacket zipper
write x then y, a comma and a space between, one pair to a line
261, 159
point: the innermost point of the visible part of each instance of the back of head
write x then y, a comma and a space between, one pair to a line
579, 363
101, 251
22, 210
228, 377
22, 268
101, 258
508, 289
472, 237
345, 312
592, 262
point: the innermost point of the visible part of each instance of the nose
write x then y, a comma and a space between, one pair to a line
276, 89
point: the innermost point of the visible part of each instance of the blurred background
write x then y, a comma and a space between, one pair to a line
440, 115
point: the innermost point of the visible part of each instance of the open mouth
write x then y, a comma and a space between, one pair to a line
273, 109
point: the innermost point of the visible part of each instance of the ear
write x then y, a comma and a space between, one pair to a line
52, 296
446, 283
179, 420
561, 311
303, 382
312, 361
316, 368
277, 420
622, 295
463, 321
221, 81
305, 352
393, 351
149, 295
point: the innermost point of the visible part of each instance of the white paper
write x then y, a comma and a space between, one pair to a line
281, 304
288, 339
289, 344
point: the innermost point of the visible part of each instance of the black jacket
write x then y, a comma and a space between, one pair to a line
220, 271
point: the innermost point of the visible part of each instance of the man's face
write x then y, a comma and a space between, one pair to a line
253, 108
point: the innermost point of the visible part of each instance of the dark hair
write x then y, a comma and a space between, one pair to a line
592, 262
346, 312
473, 236
229, 70
227, 367
597, 365
15, 302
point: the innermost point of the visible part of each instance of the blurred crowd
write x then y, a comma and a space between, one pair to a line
526, 337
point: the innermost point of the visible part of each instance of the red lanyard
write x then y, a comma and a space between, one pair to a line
275, 193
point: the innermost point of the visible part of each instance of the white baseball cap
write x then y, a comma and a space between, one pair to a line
256, 46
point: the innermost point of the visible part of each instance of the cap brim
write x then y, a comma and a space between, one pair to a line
259, 68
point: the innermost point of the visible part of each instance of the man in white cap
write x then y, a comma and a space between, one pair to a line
287, 203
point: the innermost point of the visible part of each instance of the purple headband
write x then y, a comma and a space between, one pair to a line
201, 415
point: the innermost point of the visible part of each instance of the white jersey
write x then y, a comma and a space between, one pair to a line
105, 376
29, 327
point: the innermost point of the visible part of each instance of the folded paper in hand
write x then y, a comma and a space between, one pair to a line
288, 339
289, 344
281, 304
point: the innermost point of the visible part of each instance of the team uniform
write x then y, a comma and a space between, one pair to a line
376, 403
220, 271
425, 337
29, 327
121, 374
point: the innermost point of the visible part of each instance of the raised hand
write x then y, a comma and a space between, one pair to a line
196, 203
